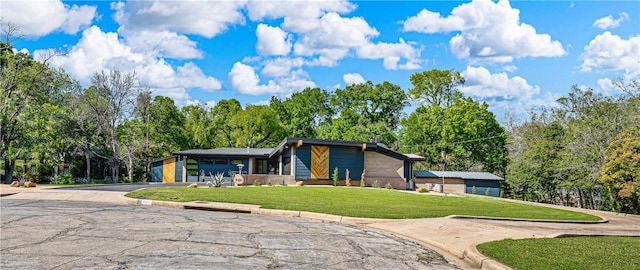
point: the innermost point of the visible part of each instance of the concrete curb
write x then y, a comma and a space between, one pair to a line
473, 255
603, 220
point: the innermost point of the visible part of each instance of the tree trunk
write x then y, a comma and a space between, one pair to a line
87, 156
9, 166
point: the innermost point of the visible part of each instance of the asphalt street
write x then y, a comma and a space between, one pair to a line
47, 234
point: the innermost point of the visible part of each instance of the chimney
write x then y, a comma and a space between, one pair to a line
377, 139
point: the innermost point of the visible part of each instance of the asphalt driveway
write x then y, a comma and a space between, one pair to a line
60, 234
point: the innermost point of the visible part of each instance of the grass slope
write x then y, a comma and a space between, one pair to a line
360, 202
583, 252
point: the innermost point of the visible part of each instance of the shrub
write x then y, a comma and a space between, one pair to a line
283, 182
269, 183
257, 183
63, 179
335, 176
473, 190
423, 190
388, 186
487, 192
217, 179
362, 183
375, 184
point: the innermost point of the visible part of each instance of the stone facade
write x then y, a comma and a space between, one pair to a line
276, 180
381, 166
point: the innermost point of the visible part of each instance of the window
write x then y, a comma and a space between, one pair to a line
286, 161
261, 166
221, 161
206, 161
236, 161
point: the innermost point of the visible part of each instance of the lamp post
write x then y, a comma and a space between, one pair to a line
240, 166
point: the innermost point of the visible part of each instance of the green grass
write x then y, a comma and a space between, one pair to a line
360, 202
583, 252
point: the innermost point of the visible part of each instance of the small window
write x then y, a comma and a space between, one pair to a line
192, 161
206, 161
236, 161
221, 161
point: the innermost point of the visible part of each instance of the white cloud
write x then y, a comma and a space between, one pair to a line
609, 22
479, 82
244, 79
281, 66
39, 18
207, 105
272, 40
353, 78
97, 51
162, 43
391, 53
321, 34
489, 32
610, 52
510, 68
204, 18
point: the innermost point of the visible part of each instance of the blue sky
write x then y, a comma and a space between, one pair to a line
514, 55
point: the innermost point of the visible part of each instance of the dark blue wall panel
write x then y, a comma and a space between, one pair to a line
481, 187
303, 162
156, 171
343, 158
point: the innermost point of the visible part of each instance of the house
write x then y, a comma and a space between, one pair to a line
294, 160
459, 182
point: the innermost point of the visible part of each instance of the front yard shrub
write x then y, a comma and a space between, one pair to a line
375, 184
283, 183
473, 190
257, 183
423, 190
487, 192
388, 186
335, 177
269, 183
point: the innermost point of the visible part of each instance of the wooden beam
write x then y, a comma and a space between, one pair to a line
364, 147
299, 143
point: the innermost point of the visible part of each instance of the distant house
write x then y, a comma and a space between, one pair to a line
310, 161
459, 182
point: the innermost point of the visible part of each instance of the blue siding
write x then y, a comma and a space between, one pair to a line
481, 187
303, 162
156, 171
178, 167
343, 158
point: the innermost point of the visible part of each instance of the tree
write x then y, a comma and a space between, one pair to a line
303, 112
365, 111
464, 136
621, 173
198, 127
435, 86
117, 91
256, 126
167, 127
223, 126
25, 85
449, 130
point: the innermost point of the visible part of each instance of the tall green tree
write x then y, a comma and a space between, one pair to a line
167, 128
25, 85
303, 112
256, 126
364, 111
198, 127
223, 127
436, 86
449, 130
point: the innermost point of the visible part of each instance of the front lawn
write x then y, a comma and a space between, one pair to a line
583, 252
360, 202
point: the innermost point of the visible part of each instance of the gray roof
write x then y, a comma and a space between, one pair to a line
379, 147
456, 174
226, 152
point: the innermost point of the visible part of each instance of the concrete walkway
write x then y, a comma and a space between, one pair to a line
454, 238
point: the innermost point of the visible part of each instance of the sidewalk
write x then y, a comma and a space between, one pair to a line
454, 238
